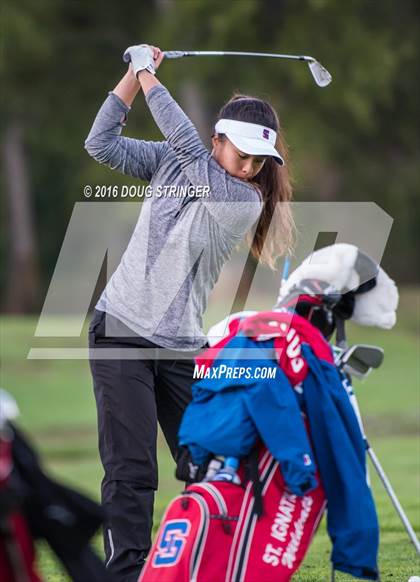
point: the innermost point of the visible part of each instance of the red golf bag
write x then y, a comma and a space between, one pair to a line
220, 531
17, 555
33, 506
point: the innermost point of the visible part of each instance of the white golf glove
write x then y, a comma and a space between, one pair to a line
141, 57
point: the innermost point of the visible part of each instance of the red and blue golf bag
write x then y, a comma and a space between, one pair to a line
310, 451
213, 531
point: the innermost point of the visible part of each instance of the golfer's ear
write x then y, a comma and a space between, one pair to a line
214, 139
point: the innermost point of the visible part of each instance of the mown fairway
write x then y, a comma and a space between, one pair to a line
57, 406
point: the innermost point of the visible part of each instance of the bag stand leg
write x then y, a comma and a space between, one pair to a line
381, 473
394, 499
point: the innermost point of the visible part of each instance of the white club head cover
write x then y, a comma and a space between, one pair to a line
378, 306
141, 57
335, 265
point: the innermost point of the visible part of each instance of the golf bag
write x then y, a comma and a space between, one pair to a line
32, 506
17, 554
226, 415
227, 532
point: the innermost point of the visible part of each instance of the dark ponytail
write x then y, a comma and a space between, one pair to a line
273, 181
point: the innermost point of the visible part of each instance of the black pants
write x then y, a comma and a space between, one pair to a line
131, 396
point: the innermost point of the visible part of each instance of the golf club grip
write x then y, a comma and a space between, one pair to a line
179, 54
174, 54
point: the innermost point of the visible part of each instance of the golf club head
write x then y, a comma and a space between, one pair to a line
319, 73
359, 360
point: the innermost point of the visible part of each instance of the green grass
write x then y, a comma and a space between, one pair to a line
58, 411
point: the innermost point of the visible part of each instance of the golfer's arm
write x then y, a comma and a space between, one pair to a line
134, 157
129, 86
147, 81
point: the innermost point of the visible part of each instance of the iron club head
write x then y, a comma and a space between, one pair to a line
319, 73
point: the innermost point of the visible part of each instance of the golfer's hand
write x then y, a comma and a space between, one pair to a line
158, 56
143, 57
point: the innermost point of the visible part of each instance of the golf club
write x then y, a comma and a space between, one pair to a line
320, 74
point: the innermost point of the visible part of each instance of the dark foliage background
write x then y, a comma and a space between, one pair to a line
356, 140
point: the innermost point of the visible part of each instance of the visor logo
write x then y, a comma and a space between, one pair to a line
266, 134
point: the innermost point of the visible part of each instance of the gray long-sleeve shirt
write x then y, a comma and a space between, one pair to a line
179, 245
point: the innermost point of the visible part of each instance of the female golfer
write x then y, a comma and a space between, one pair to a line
203, 205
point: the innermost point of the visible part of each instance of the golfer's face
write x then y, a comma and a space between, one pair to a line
235, 162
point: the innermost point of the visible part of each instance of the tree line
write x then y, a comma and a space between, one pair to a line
356, 140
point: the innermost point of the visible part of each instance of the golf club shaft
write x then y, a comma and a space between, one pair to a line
320, 74
286, 269
394, 499
179, 54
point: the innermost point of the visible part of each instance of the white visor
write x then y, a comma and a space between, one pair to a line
250, 138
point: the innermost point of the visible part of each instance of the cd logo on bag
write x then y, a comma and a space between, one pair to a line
172, 543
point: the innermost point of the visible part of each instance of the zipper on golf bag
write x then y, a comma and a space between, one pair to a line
252, 512
201, 538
